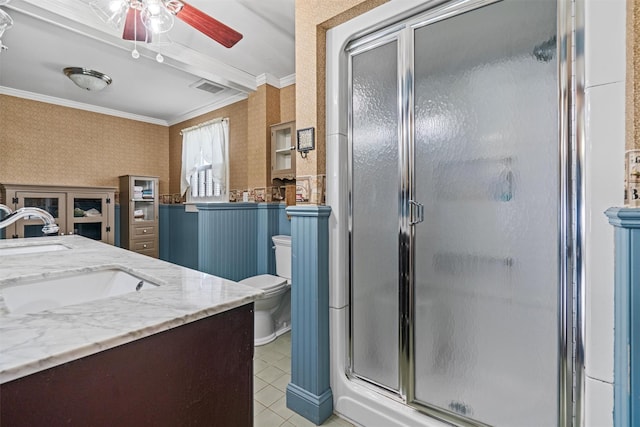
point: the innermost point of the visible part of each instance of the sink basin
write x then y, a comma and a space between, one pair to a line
34, 295
31, 249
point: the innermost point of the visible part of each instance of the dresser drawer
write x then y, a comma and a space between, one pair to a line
143, 230
149, 252
144, 245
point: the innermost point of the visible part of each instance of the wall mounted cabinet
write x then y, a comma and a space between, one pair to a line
283, 151
87, 211
139, 214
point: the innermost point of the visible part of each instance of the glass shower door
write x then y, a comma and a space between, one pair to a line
375, 212
486, 267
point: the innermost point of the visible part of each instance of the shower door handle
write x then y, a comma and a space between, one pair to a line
416, 212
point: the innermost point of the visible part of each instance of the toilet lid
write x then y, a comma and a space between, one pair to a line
265, 282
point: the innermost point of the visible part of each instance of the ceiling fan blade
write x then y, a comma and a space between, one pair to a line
208, 26
134, 29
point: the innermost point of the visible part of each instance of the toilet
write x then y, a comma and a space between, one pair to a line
273, 309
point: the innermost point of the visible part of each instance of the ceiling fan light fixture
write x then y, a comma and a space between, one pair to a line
112, 12
87, 79
156, 18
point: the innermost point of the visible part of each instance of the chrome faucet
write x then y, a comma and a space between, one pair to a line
50, 226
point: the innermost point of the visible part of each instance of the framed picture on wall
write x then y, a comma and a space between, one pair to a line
306, 141
303, 189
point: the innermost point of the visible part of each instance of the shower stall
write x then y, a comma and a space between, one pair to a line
456, 210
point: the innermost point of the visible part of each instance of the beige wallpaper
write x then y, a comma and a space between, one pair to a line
43, 143
633, 65
264, 110
288, 103
313, 19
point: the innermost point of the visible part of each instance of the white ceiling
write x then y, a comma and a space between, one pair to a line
49, 35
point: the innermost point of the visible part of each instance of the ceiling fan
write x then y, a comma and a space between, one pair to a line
146, 19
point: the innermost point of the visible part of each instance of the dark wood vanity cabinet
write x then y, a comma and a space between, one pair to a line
198, 374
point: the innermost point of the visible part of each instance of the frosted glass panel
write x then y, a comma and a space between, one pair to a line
375, 224
486, 169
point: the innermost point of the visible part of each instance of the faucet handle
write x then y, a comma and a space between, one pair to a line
50, 229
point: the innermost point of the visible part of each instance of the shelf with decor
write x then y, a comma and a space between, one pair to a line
283, 157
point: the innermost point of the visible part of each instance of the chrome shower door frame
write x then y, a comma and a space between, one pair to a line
570, 22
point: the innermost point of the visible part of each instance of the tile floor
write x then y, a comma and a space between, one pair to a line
271, 374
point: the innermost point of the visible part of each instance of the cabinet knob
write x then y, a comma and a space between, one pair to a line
144, 246
144, 231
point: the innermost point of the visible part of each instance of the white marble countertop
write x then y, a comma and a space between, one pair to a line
34, 342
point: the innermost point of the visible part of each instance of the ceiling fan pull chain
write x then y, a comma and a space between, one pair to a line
135, 54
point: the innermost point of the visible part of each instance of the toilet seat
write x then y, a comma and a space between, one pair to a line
266, 282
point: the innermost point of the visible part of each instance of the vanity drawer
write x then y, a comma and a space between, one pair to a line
143, 230
144, 245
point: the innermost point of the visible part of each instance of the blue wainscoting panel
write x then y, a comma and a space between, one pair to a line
237, 237
183, 235
268, 221
163, 233
284, 222
626, 390
178, 235
228, 239
309, 392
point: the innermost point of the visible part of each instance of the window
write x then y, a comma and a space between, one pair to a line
205, 159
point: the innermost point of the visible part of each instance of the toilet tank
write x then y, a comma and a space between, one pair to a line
282, 245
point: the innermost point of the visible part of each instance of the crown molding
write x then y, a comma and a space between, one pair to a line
268, 79
274, 81
284, 82
288, 80
207, 109
88, 107
78, 105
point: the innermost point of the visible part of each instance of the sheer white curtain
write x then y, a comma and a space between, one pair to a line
205, 147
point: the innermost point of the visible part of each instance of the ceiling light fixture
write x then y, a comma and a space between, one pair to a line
87, 79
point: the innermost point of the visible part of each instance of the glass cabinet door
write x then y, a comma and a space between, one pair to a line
143, 200
54, 203
89, 213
